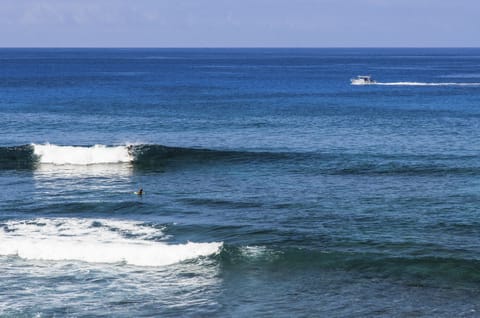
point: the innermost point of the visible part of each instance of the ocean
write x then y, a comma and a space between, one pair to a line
272, 186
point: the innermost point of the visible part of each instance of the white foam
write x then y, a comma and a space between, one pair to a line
47, 172
421, 84
96, 241
98, 154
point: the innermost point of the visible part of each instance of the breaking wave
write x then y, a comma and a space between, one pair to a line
30, 156
96, 241
96, 154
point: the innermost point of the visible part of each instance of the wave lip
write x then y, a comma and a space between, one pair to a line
76, 155
96, 241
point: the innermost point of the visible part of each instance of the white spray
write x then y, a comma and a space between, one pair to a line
97, 154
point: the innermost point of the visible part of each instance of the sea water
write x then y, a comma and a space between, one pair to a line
272, 187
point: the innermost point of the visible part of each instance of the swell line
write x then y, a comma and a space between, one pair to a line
155, 156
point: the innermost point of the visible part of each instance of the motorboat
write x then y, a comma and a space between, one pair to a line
363, 80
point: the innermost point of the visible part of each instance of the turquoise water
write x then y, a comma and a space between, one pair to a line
273, 187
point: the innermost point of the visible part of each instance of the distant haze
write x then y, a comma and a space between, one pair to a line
240, 23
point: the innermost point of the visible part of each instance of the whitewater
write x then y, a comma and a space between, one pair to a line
96, 241
77, 155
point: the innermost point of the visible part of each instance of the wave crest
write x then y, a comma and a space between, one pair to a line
95, 241
73, 155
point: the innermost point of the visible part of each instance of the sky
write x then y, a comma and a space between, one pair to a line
239, 23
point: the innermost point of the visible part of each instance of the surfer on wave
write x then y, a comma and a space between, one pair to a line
130, 149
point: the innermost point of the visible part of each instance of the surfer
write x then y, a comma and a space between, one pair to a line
130, 149
139, 192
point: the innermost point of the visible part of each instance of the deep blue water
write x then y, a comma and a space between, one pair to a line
273, 187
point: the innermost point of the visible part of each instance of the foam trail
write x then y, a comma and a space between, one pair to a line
420, 84
96, 241
98, 154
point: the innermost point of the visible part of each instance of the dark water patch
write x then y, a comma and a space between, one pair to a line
406, 169
153, 155
99, 208
219, 203
17, 157
458, 228
289, 206
421, 271
148, 156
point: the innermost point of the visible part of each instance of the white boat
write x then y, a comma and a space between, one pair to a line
362, 80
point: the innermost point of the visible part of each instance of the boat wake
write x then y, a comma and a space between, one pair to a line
425, 84
414, 84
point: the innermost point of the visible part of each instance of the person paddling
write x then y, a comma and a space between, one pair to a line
139, 192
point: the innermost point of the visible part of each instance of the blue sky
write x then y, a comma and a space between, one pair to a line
241, 23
